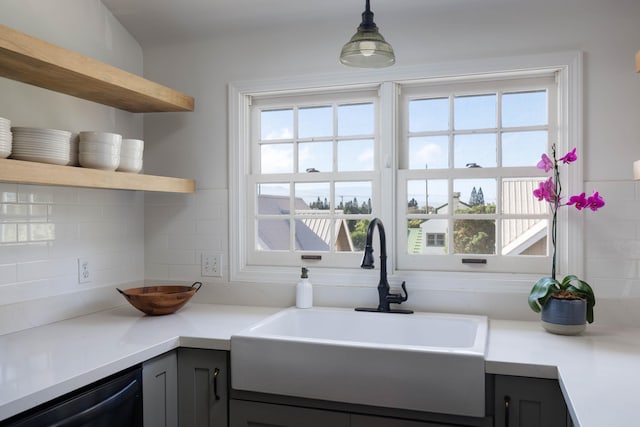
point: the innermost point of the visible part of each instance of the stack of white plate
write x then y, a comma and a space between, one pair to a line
41, 145
131, 155
73, 151
99, 150
5, 138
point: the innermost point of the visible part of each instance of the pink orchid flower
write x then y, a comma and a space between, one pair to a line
570, 157
545, 164
580, 201
546, 191
595, 202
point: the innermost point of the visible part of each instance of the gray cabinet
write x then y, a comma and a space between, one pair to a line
285, 411
160, 391
372, 421
203, 381
529, 402
257, 414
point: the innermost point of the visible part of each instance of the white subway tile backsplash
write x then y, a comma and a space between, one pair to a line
184, 273
44, 230
212, 242
72, 213
209, 227
155, 270
8, 192
8, 274
612, 241
209, 206
179, 229
602, 268
8, 233
103, 197
46, 194
612, 190
185, 242
36, 270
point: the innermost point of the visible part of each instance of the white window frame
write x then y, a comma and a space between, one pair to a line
567, 65
500, 83
289, 257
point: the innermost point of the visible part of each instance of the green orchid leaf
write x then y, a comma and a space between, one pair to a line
582, 288
541, 292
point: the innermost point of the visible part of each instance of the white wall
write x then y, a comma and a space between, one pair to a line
179, 228
38, 280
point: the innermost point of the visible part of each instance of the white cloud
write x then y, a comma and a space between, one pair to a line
276, 158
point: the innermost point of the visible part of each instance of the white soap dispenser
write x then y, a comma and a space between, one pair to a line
304, 291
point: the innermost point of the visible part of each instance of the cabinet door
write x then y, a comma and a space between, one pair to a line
256, 414
160, 391
372, 421
202, 388
528, 402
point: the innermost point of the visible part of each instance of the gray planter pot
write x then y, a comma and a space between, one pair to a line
564, 316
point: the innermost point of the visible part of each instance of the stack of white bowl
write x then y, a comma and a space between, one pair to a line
5, 138
73, 151
41, 145
131, 155
99, 150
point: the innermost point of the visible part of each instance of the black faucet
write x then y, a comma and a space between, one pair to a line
385, 297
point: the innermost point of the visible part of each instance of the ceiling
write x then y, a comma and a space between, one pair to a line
154, 22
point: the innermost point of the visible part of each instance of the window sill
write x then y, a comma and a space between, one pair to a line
416, 280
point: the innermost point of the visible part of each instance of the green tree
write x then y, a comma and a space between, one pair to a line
475, 236
480, 197
359, 234
473, 199
477, 197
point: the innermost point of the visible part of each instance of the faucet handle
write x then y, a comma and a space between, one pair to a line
398, 298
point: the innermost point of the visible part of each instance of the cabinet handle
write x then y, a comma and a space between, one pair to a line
216, 372
507, 404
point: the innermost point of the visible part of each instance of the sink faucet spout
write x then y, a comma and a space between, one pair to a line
385, 297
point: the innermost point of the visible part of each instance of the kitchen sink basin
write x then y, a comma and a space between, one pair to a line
421, 361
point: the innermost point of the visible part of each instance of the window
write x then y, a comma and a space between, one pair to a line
314, 177
448, 164
435, 239
469, 169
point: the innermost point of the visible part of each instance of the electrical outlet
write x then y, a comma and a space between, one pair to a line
211, 264
84, 270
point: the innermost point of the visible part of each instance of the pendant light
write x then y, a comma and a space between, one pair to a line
367, 48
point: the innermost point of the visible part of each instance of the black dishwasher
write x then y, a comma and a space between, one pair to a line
114, 401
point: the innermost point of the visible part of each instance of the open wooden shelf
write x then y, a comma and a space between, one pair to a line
45, 174
30, 60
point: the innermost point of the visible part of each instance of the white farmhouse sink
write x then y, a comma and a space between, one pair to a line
421, 361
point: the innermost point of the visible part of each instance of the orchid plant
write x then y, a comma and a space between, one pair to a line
571, 287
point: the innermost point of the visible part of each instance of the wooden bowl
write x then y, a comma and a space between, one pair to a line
159, 300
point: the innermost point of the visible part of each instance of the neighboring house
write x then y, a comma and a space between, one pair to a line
523, 236
433, 236
313, 233
519, 236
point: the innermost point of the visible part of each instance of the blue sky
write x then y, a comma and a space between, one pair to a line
429, 132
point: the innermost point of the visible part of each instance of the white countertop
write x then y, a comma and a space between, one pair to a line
39, 364
597, 370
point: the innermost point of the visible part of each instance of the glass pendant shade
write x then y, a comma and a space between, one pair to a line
367, 48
